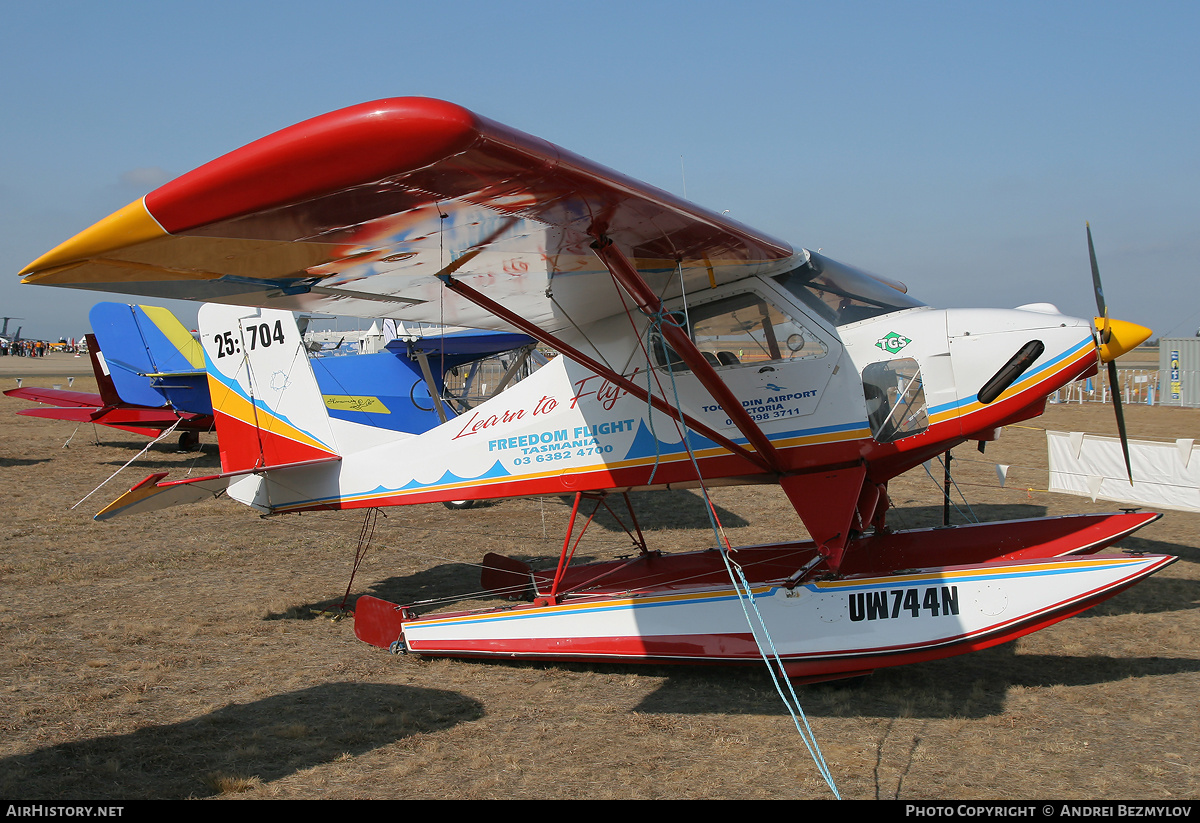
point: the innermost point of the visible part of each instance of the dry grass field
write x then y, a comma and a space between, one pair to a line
196, 654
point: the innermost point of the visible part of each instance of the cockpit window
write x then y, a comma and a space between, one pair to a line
842, 294
741, 329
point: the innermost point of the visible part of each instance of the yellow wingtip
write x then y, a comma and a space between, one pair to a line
126, 227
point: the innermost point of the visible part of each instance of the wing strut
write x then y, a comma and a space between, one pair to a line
537, 333
625, 273
427, 373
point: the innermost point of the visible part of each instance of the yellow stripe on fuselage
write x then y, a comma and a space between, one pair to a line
230, 403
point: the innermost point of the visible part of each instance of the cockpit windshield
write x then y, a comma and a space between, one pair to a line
842, 294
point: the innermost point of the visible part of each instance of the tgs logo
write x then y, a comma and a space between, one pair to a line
892, 342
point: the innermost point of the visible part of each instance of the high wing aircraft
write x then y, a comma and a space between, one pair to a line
403, 388
150, 372
696, 352
155, 361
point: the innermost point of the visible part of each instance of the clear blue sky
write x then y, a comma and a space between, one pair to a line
958, 146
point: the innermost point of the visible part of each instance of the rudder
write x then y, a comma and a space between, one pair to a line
266, 402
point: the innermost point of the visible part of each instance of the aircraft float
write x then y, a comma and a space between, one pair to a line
696, 352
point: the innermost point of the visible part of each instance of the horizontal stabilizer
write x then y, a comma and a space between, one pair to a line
78, 414
152, 495
62, 398
149, 422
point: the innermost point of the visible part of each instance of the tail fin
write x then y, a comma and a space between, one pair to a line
108, 391
176, 359
266, 402
154, 360
171, 347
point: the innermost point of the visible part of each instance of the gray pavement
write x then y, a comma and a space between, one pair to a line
55, 364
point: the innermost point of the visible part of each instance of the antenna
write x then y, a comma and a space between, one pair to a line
683, 173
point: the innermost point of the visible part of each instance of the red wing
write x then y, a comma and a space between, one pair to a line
356, 211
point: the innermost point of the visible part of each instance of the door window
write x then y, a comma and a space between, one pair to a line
742, 329
895, 399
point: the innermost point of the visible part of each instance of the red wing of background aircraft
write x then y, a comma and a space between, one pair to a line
108, 409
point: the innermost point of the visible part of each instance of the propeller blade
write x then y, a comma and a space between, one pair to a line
1105, 337
1101, 306
1116, 396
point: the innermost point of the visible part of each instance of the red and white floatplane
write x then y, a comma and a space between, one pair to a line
695, 352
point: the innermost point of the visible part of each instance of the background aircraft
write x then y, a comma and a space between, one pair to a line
150, 371
109, 408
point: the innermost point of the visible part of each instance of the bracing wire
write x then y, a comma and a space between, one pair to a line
164, 434
742, 587
970, 513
